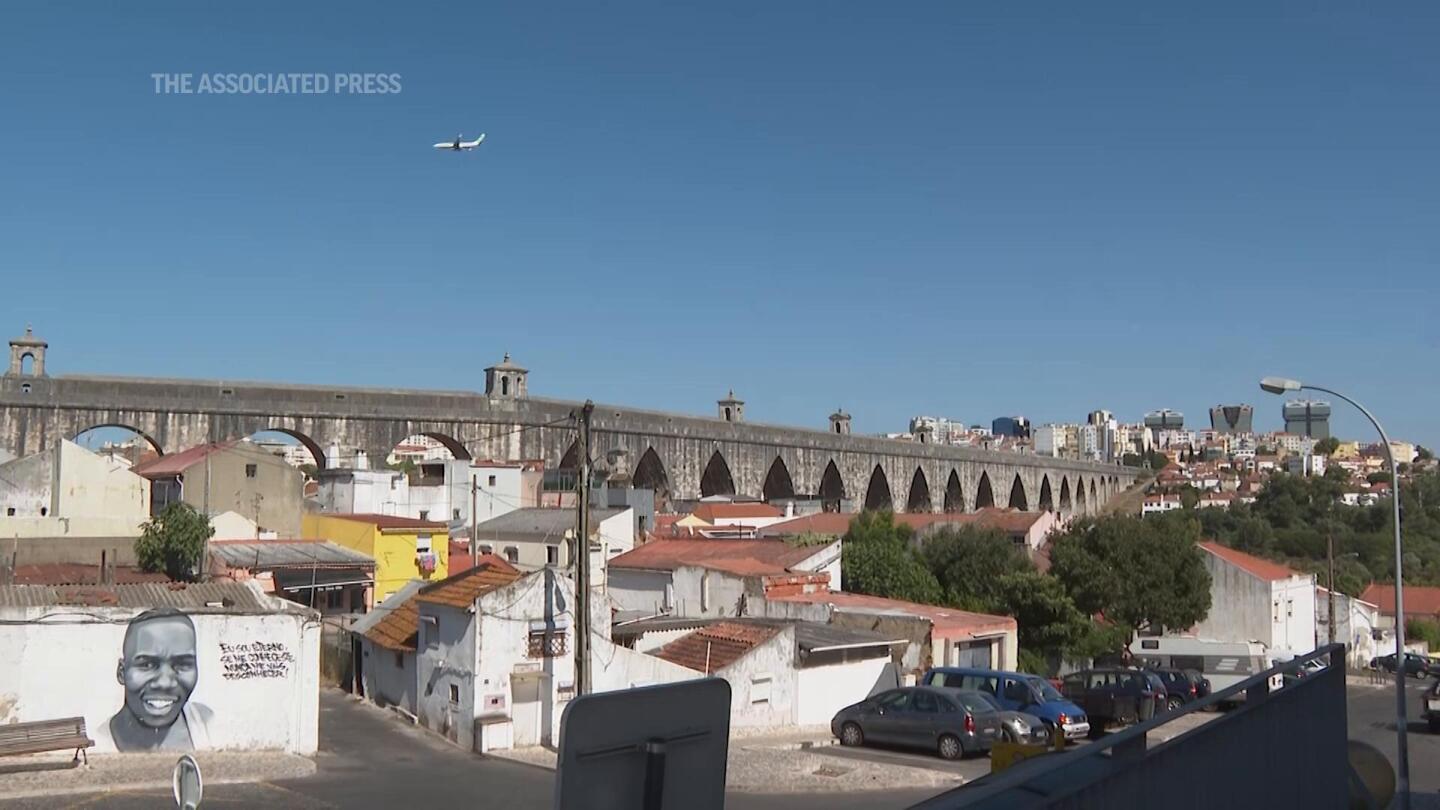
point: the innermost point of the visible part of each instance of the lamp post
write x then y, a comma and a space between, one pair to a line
1281, 385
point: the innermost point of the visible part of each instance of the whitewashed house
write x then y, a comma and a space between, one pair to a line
1254, 599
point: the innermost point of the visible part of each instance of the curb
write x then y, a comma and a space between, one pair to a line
802, 745
136, 787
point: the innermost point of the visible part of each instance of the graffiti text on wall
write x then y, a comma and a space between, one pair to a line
255, 659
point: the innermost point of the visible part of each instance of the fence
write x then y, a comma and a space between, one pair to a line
337, 655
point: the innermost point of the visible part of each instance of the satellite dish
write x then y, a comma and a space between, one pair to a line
188, 785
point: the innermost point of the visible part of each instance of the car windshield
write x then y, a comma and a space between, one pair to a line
1047, 691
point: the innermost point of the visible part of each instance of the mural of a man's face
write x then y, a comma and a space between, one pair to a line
158, 669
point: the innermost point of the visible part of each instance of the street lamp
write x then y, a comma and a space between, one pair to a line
1281, 385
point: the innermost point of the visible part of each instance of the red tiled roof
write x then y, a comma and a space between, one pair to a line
948, 622
1249, 563
748, 557
80, 574
716, 646
710, 511
177, 463
462, 589
1419, 600
389, 521
399, 629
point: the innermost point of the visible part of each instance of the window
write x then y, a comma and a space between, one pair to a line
454, 695
512, 554
24, 388
1017, 691
399, 660
422, 544
893, 700
976, 704
492, 481
487, 549
454, 514
44, 510
705, 591
926, 702
429, 632
251, 470
424, 514
552, 555
10, 512
545, 643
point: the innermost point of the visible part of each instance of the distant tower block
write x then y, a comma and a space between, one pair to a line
506, 380
840, 422
27, 347
732, 409
1232, 419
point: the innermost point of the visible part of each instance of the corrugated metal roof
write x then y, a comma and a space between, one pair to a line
544, 522
810, 636
266, 554
225, 596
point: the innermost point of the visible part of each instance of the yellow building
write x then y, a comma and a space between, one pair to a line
404, 548
1346, 451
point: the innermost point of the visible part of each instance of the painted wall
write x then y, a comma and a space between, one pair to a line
763, 683
506, 617
388, 677
1292, 603
445, 658
701, 592
1240, 608
638, 589
69, 491
620, 668
821, 691
256, 686
272, 497
394, 550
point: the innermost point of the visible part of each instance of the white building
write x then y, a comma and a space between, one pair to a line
537, 538
442, 490
1359, 628
70, 491
939, 429
1160, 502
1306, 465
687, 577
257, 670
1052, 440
1253, 599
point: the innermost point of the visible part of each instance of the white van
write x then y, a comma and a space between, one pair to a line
1224, 663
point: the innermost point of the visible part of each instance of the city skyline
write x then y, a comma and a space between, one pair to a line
967, 212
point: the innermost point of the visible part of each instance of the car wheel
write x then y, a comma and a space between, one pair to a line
851, 735
1175, 703
950, 747
1009, 734
1097, 728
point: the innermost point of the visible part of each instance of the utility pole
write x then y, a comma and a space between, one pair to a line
474, 544
581, 550
1330, 586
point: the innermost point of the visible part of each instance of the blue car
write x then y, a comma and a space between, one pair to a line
1018, 692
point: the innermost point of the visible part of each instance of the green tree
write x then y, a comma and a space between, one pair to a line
1048, 620
1326, 446
1189, 497
879, 559
1135, 571
173, 542
969, 563
1423, 453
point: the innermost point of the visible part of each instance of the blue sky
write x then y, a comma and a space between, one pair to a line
956, 209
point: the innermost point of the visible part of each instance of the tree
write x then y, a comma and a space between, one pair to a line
879, 559
969, 562
1048, 620
1423, 453
173, 542
1189, 497
1326, 446
1135, 571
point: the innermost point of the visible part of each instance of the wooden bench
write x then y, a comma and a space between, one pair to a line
45, 735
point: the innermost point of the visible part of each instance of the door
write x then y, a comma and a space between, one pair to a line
974, 654
1014, 694
920, 722
525, 711
885, 723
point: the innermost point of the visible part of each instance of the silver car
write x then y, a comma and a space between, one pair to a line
1019, 727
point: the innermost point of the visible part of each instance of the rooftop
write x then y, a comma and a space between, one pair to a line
540, 522
718, 510
461, 590
267, 554
221, 596
383, 522
1250, 564
717, 645
948, 622
747, 557
837, 523
80, 574
177, 463
399, 625
1419, 600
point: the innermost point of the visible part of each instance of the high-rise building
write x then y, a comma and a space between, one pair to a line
1232, 418
1099, 418
1306, 417
1165, 419
1016, 426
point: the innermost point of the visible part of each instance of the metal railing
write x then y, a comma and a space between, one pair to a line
1279, 748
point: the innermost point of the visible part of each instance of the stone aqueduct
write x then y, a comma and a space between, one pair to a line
687, 457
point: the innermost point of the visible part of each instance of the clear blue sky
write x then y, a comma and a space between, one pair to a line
956, 209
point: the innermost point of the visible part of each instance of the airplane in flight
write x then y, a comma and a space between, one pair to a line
458, 144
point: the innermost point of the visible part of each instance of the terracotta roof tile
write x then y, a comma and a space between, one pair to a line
462, 589
177, 463
947, 622
837, 523
1419, 600
1249, 563
716, 646
709, 512
741, 556
389, 521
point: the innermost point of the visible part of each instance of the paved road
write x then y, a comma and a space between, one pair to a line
368, 760
1372, 720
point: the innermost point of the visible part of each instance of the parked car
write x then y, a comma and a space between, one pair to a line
951, 722
1416, 665
1202, 683
1114, 695
1018, 692
1431, 710
1019, 727
1179, 687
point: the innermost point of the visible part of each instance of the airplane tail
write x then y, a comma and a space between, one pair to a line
481, 139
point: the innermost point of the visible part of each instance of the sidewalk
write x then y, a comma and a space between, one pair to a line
54, 774
781, 763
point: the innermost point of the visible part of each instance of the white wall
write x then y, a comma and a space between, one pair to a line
824, 690
506, 616
827, 560
636, 589
445, 657
62, 663
1240, 605
701, 592
752, 703
1292, 616
388, 677
619, 668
